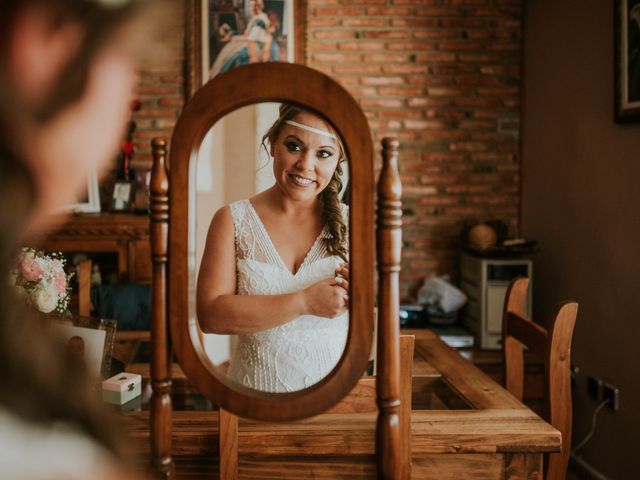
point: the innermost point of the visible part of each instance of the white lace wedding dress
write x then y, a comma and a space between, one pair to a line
301, 352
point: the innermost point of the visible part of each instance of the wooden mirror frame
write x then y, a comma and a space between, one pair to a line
242, 86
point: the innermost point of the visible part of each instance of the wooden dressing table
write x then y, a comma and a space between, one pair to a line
464, 425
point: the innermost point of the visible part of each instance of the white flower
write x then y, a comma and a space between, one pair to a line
45, 297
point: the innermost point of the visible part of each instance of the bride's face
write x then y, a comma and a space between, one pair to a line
304, 161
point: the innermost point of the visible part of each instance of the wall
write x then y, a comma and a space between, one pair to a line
161, 93
580, 200
444, 77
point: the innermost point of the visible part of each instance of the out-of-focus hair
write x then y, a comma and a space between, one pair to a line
41, 383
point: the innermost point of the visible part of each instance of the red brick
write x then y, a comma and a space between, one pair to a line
357, 68
414, 22
468, 146
459, 22
386, 57
441, 135
400, 91
361, 91
426, 125
364, 22
459, 45
368, 46
499, 91
476, 125
338, 11
437, 11
381, 102
322, 22
410, 46
386, 34
383, 80
335, 57
390, 11
427, 101
483, 80
404, 68
444, 113
334, 34
432, 57
435, 34
446, 91
403, 115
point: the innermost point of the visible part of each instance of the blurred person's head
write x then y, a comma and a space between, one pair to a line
67, 75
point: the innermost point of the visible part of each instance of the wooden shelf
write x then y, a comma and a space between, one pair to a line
125, 234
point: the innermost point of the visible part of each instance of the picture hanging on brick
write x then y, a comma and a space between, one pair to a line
241, 33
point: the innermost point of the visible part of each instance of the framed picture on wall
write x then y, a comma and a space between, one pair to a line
223, 34
121, 197
89, 200
627, 72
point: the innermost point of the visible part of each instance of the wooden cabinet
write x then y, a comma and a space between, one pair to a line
125, 235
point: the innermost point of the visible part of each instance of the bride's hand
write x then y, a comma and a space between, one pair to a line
327, 298
343, 272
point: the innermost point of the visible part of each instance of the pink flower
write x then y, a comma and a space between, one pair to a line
30, 270
60, 281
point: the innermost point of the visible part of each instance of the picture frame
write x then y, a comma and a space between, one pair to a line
89, 201
207, 35
627, 54
88, 339
121, 196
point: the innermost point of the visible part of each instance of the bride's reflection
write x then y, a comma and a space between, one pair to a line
274, 269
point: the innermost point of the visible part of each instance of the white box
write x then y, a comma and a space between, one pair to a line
122, 388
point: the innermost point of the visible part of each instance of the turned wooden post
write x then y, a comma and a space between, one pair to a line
389, 246
161, 463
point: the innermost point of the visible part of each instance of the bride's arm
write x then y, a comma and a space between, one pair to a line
220, 310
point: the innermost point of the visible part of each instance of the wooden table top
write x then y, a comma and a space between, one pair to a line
497, 423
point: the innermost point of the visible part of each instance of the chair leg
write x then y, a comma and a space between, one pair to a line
228, 443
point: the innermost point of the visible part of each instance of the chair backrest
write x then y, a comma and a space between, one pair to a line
85, 306
554, 347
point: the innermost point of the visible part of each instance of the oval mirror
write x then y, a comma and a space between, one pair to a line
257, 152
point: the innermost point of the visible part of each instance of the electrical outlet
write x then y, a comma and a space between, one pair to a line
612, 395
594, 387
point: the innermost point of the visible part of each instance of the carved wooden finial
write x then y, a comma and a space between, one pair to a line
389, 245
161, 410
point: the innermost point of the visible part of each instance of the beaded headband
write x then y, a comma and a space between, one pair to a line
324, 133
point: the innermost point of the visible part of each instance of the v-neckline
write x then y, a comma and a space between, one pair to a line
272, 245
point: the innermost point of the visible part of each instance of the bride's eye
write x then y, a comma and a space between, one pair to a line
293, 146
325, 154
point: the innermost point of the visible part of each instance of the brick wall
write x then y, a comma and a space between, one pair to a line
160, 90
443, 76
161, 93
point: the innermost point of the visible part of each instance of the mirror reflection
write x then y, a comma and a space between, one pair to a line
272, 253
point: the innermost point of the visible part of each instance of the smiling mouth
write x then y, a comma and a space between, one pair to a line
302, 181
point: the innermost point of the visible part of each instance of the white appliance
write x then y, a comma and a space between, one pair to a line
485, 282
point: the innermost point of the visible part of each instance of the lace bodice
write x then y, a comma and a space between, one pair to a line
298, 353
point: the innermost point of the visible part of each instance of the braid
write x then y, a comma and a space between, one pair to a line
338, 241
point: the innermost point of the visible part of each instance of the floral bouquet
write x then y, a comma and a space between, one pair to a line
41, 280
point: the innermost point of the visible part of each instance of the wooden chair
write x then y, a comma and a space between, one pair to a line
126, 342
554, 347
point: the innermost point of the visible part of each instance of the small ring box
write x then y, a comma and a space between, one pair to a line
122, 388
